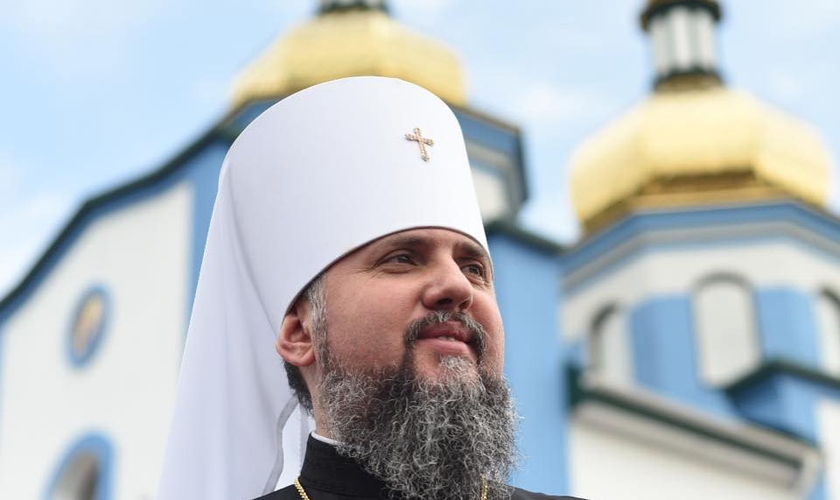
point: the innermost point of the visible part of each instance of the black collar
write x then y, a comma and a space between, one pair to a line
324, 469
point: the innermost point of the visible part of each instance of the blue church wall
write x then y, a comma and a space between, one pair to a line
502, 139
647, 223
761, 402
784, 396
577, 354
243, 117
203, 171
665, 353
484, 132
191, 164
787, 326
528, 295
820, 491
199, 164
781, 401
666, 361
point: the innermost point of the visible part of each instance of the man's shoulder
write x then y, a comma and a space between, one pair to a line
287, 493
520, 494
290, 493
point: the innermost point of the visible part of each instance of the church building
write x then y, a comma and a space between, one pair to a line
687, 345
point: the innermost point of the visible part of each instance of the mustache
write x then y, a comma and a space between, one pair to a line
479, 334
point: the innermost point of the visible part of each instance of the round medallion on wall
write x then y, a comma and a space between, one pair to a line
88, 325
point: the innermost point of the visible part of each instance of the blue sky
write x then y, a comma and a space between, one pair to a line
94, 93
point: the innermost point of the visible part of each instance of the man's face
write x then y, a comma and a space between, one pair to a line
374, 294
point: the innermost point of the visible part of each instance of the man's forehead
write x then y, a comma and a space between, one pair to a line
428, 237
414, 238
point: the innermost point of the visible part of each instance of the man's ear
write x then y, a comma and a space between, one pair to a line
294, 343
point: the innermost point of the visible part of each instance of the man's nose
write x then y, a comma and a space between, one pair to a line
448, 288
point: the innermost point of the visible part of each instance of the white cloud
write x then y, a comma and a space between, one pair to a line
428, 9
553, 217
578, 39
808, 19
81, 18
787, 86
820, 17
14, 258
433, 6
25, 230
209, 92
10, 175
542, 103
288, 9
81, 39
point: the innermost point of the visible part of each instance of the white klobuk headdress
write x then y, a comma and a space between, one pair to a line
314, 177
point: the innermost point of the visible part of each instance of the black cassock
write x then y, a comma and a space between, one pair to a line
326, 475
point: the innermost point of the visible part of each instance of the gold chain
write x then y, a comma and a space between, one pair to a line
300, 489
304, 496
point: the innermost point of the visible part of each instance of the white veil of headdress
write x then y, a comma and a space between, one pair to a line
315, 176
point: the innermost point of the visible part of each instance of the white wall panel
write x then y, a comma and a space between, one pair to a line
679, 19
705, 32
661, 44
612, 350
608, 465
140, 254
828, 315
492, 196
828, 416
727, 336
664, 270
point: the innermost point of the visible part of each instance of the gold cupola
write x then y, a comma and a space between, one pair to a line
351, 38
694, 141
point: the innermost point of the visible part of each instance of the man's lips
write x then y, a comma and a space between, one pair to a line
450, 329
449, 338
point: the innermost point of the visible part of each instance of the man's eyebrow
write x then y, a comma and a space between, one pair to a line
404, 241
473, 251
468, 249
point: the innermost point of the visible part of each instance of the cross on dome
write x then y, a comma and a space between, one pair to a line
684, 42
334, 5
350, 38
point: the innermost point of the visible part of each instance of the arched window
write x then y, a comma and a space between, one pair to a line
611, 353
88, 325
84, 473
828, 317
79, 480
727, 337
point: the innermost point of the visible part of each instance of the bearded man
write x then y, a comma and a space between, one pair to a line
346, 233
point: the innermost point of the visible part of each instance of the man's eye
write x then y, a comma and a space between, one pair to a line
402, 258
474, 269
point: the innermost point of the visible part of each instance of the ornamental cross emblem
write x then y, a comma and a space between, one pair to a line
421, 141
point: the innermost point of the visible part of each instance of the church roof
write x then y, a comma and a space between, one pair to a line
694, 141
351, 39
694, 147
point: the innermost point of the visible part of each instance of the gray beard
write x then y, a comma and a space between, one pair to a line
425, 440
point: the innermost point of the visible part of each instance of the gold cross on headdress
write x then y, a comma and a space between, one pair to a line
422, 142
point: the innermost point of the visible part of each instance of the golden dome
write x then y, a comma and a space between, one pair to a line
350, 43
690, 147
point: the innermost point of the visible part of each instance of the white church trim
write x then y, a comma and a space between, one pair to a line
791, 466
